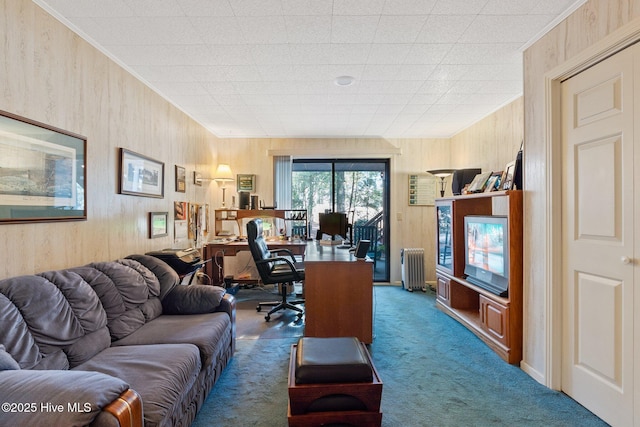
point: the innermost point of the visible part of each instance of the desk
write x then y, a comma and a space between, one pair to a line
338, 294
218, 251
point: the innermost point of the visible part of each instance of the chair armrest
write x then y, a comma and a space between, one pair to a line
193, 299
283, 251
277, 259
48, 398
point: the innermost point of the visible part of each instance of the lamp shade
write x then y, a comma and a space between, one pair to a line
441, 173
223, 173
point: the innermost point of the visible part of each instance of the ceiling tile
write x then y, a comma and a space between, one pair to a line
218, 30
308, 29
307, 7
206, 7
353, 29
399, 29
263, 29
408, 7
358, 7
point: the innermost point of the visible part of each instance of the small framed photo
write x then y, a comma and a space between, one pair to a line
479, 182
246, 182
507, 176
158, 224
140, 175
493, 184
181, 179
197, 178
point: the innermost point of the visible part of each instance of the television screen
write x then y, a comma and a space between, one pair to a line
487, 252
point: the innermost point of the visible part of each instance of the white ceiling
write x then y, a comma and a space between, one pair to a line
266, 68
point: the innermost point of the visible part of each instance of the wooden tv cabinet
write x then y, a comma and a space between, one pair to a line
495, 320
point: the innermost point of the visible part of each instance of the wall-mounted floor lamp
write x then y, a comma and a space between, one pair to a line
222, 176
442, 174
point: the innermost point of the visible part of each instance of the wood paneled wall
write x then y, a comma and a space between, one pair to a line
49, 74
587, 26
492, 142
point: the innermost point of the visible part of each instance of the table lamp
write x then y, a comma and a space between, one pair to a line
222, 176
442, 174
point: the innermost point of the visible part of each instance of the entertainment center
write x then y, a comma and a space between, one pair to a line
479, 266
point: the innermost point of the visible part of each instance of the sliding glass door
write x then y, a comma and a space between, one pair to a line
356, 187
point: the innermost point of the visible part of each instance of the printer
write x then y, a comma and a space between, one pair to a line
183, 261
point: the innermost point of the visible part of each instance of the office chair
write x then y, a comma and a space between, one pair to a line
274, 269
370, 233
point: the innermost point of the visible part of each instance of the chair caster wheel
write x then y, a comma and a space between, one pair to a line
258, 309
267, 317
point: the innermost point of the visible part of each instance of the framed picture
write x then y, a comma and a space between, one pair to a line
158, 224
507, 176
140, 175
197, 178
181, 179
493, 183
246, 182
479, 182
43, 172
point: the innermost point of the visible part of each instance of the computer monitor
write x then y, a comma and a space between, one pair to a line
334, 223
361, 249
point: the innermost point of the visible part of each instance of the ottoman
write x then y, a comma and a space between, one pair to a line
332, 381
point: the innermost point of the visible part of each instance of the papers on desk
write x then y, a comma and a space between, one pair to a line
328, 240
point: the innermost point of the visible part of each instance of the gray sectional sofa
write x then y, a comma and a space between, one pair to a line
88, 345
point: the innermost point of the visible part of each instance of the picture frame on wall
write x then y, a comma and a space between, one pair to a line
158, 224
181, 179
246, 182
43, 172
140, 175
197, 178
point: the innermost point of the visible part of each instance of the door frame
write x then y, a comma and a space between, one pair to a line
386, 199
620, 39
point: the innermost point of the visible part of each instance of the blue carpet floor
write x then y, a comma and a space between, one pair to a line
435, 373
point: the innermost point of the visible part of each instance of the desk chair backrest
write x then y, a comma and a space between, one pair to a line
258, 247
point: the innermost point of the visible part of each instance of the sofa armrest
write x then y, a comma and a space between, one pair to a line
228, 305
47, 398
126, 410
193, 299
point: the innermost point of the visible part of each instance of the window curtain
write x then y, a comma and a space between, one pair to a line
282, 168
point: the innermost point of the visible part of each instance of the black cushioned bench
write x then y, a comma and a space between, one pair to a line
331, 381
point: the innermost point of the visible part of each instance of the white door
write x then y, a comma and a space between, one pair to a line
598, 237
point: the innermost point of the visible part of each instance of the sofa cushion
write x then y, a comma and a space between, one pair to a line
128, 292
167, 276
7, 363
27, 387
49, 313
161, 374
88, 311
206, 331
193, 299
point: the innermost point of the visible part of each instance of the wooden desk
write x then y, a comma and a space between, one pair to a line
338, 294
217, 251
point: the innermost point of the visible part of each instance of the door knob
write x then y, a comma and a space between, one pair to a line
625, 260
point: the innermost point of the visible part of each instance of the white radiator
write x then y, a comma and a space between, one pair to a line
412, 261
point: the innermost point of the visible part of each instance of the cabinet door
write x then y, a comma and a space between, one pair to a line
493, 317
443, 288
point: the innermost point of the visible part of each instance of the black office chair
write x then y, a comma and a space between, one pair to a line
274, 269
